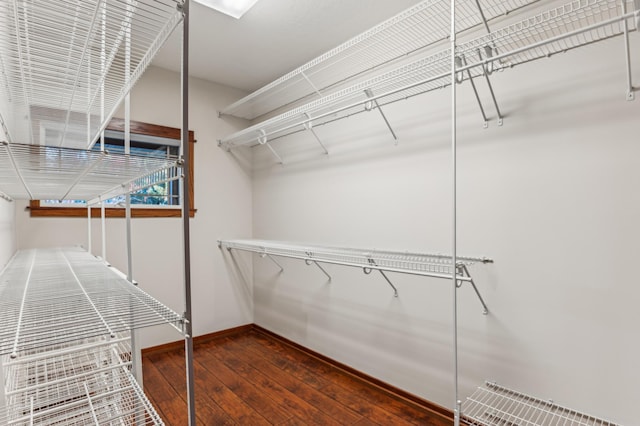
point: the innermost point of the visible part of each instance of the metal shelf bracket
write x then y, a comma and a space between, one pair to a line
263, 140
463, 271
368, 271
311, 261
369, 106
268, 256
308, 125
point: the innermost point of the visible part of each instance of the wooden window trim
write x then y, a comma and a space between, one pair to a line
117, 124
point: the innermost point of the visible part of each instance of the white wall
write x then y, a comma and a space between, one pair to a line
552, 196
7, 231
157, 243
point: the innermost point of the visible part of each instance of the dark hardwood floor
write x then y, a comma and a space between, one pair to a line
253, 378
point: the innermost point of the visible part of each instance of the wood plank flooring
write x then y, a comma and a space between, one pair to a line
252, 378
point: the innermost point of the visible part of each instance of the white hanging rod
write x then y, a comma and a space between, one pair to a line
422, 264
407, 33
493, 404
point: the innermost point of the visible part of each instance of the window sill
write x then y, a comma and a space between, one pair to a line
38, 211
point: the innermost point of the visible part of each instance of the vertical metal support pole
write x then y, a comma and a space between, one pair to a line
103, 68
188, 326
3, 398
89, 246
630, 94
136, 354
103, 223
454, 230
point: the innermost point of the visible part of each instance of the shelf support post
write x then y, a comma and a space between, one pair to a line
89, 243
369, 106
188, 324
630, 89
313, 86
454, 212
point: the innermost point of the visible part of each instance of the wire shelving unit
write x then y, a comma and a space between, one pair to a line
495, 405
65, 68
572, 25
404, 35
423, 264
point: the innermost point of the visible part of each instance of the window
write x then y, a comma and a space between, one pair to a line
161, 200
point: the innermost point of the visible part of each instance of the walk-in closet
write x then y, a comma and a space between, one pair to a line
356, 212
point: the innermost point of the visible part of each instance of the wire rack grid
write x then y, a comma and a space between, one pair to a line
495, 405
66, 65
53, 297
405, 34
574, 24
435, 265
105, 398
44, 172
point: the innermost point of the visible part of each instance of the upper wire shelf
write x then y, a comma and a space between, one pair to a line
495, 405
51, 297
405, 34
44, 172
575, 24
65, 66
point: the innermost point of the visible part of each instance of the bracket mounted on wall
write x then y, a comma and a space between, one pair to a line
420, 264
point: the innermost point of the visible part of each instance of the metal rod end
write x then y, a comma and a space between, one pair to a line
631, 96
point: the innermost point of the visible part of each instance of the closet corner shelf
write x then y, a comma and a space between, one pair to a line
404, 35
52, 298
495, 405
423, 264
65, 67
575, 24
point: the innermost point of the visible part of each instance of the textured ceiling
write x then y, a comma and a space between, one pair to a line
271, 39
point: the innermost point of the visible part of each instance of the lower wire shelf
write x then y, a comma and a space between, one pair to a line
495, 405
53, 298
87, 384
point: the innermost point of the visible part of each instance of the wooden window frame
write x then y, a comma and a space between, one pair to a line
137, 127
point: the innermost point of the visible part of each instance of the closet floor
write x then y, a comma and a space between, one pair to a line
253, 378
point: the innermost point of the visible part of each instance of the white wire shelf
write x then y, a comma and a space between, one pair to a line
44, 172
575, 24
66, 65
91, 385
423, 264
495, 405
407, 33
51, 298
